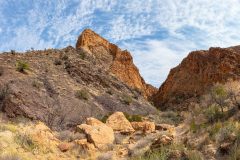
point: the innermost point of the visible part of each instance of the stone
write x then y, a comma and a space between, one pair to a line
93, 122
162, 140
225, 147
164, 127
118, 122
100, 135
145, 126
85, 145
64, 147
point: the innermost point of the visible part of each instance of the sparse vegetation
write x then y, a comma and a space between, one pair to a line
64, 57
133, 118
4, 93
126, 99
213, 113
1, 71
219, 96
82, 94
36, 84
22, 66
26, 141
13, 52
57, 62
81, 53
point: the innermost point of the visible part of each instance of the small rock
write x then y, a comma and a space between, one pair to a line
225, 147
146, 127
64, 147
164, 127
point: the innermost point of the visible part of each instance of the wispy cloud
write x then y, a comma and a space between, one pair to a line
158, 32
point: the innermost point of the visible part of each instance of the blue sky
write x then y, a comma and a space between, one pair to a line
159, 33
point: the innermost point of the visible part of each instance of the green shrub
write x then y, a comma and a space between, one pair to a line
229, 128
57, 62
82, 55
82, 94
104, 118
213, 113
193, 126
64, 57
133, 118
126, 99
26, 142
22, 66
214, 129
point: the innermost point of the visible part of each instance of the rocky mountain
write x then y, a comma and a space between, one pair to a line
63, 87
196, 74
118, 62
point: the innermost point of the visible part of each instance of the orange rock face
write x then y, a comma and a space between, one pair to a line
197, 73
118, 62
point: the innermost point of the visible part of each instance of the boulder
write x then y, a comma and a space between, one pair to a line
85, 145
162, 140
100, 135
118, 122
93, 122
64, 147
146, 127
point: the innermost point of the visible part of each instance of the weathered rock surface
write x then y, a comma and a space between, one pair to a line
119, 62
196, 74
98, 133
118, 122
145, 126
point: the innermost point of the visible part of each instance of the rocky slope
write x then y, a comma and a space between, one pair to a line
118, 62
196, 74
63, 87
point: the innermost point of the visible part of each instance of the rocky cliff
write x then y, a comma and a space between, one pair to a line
118, 62
196, 74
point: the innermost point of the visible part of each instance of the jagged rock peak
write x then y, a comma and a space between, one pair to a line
118, 62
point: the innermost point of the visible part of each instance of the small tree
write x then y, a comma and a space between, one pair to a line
219, 95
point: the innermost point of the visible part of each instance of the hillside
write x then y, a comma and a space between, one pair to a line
62, 87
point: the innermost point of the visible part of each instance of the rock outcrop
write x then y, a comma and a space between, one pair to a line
118, 62
118, 122
97, 133
196, 74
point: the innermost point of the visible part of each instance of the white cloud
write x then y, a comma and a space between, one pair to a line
189, 24
155, 58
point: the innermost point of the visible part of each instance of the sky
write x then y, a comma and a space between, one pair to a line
158, 33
